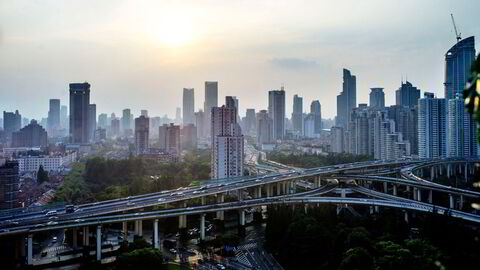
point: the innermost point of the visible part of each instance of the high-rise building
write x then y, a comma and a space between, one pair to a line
347, 100
64, 121
32, 135
103, 120
250, 122
406, 122
126, 122
264, 128
316, 110
169, 138
12, 121
115, 127
144, 113
188, 106
297, 114
432, 136
337, 140
142, 125
227, 142
276, 111
309, 126
407, 95
189, 137
92, 121
360, 131
9, 184
211, 100
79, 112
458, 61
377, 98
461, 130
200, 123
53, 122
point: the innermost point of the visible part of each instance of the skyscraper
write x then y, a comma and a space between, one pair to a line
407, 95
144, 113
264, 128
297, 114
250, 122
12, 121
432, 122
337, 140
142, 125
406, 122
189, 137
53, 122
170, 138
200, 123
32, 135
126, 121
316, 111
227, 143
178, 116
103, 120
347, 100
64, 117
276, 111
188, 106
377, 98
92, 121
211, 100
79, 112
458, 61
9, 184
461, 130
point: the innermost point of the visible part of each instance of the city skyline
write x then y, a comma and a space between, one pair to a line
302, 63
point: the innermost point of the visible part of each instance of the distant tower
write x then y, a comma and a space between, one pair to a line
53, 122
211, 100
316, 111
79, 101
432, 113
92, 121
142, 125
377, 98
297, 114
276, 111
458, 61
347, 99
188, 106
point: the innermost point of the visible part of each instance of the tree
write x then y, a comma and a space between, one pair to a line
356, 259
471, 94
42, 175
145, 258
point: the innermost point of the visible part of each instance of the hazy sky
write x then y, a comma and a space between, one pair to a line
141, 54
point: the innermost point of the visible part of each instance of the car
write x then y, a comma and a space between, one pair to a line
161, 199
221, 266
130, 203
53, 217
173, 251
258, 180
51, 213
79, 220
51, 223
54, 240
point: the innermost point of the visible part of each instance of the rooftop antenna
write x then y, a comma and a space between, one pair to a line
457, 34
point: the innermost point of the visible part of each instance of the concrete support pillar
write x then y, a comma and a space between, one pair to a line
385, 187
432, 173
135, 230
466, 171
220, 199
305, 208
22, 247
343, 194
377, 209
278, 189
284, 186
74, 238
394, 190
202, 226
86, 236
242, 217
451, 201
156, 240
99, 243
371, 210
408, 188
125, 229
203, 199
182, 220
240, 195
419, 195
140, 228
430, 196
406, 217
268, 186
449, 169
29, 249
259, 192
415, 193
461, 203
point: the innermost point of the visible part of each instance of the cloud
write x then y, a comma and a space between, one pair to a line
292, 63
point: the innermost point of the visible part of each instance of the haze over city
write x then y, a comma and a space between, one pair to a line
141, 54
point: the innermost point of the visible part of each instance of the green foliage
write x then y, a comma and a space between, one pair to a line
145, 258
74, 189
471, 94
42, 175
312, 160
356, 259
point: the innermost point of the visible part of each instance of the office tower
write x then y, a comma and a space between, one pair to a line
64, 117
337, 140
211, 100
188, 106
458, 61
79, 112
178, 116
126, 122
406, 122
9, 184
347, 100
227, 143
115, 127
264, 128
276, 111
100, 134
407, 95
297, 114
377, 98
250, 122
92, 121
360, 131
432, 137
170, 138
12, 121
189, 137
144, 113
103, 120
316, 110
25, 121
200, 123
461, 130
142, 125
43, 122
388, 144
1, 123
309, 126
53, 122
162, 137
155, 123
32, 135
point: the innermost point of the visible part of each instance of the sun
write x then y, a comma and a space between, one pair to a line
173, 30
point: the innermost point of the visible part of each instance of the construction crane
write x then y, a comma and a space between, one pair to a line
458, 35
